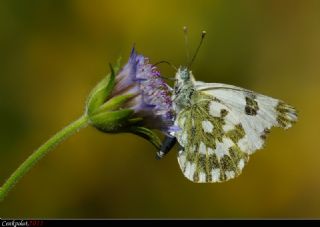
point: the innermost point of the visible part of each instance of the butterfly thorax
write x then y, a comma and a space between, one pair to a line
184, 89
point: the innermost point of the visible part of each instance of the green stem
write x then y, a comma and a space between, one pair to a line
40, 152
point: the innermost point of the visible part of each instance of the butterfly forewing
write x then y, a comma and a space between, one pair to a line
255, 112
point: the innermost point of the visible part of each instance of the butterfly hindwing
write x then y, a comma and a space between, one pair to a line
222, 127
209, 154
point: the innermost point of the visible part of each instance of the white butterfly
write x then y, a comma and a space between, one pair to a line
221, 125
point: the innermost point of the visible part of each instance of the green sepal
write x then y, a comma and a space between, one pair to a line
114, 103
111, 121
135, 121
117, 66
147, 134
100, 92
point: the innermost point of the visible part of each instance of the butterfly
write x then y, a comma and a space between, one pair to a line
220, 126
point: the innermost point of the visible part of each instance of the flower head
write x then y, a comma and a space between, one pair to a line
134, 99
152, 96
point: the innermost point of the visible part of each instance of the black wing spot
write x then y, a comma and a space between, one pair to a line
251, 106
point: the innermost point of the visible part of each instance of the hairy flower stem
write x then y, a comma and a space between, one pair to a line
40, 153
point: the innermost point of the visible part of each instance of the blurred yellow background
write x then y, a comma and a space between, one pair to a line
53, 52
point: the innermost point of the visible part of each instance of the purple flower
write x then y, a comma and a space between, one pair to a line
151, 95
134, 99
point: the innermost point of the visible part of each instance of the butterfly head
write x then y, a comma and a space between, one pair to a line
183, 75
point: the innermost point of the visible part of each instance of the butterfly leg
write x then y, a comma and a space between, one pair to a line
167, 144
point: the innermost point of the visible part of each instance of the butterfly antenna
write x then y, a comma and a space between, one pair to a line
185, 31
171, 65
166, 62
168, 78
203, 34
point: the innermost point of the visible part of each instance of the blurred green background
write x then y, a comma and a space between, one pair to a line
53, 52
